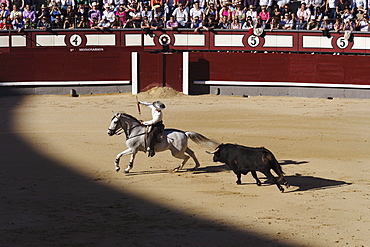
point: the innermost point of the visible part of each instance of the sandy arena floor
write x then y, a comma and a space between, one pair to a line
59, 187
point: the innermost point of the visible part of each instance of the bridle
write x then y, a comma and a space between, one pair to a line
120, 130
117, 131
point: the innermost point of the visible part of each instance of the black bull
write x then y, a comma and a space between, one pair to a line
243, 159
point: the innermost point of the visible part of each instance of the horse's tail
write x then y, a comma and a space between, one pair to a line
202, 140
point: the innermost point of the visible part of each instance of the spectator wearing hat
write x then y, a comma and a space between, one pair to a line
239, 13
313, 24
156, 123
265, 16
360, 13
363, 24
252, 13
43, 12
94, 13
248, 3
109, 13
326, 25
225, 14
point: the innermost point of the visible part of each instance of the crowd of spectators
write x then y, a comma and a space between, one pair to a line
172, 14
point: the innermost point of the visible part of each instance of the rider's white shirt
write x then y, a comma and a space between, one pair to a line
157, 116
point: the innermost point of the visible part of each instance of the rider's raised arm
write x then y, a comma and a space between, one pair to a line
145, 103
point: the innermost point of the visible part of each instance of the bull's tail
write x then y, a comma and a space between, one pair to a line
202, 140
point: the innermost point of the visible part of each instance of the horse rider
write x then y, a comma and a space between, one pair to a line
157, 126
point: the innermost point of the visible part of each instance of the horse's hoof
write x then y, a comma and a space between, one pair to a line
117, 169
175, 170
126, 171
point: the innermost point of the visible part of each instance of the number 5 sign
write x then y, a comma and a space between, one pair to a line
253, 41
342, 43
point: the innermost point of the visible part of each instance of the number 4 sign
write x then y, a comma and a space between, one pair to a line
75, 40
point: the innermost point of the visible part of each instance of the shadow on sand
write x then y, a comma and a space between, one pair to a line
44, 203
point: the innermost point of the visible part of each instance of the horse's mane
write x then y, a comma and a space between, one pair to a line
130, 117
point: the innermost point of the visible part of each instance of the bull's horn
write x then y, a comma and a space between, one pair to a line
212, 151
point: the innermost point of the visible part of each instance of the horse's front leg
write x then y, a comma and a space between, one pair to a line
131, 163
116, 162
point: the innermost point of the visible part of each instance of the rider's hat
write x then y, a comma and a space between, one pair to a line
159, 105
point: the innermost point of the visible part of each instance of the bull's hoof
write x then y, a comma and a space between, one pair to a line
175, 170
238, 182
126, 171
282, 189
286, 184
259, 183
118, 168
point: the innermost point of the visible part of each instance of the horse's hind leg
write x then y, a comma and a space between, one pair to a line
185, 159
192, 155
179, 155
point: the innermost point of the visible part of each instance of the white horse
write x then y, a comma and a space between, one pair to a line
173, 139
